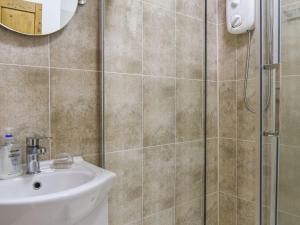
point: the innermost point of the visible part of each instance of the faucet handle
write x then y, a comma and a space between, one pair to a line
42, 151
35, 141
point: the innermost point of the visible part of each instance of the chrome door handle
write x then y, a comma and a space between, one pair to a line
276, 67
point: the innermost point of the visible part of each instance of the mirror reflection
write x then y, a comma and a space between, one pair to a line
36, 17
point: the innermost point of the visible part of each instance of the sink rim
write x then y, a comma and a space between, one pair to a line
100, 177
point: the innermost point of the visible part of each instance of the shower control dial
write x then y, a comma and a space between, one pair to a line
235, 3
236, 21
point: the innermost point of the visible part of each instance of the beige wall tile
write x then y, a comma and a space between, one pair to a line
247, 126
125, 198
189, 171
290, 108
167, 4
24, 97
123, 36
227, 166
212, 166
23, 50
212, 53
289, 180
284, 218
123, 112
212, 209
290, 43
95, 159
266, 216
194, 8
189, 109
228, 209
75, 115
158, 179
139, 222
246, 212
228, 110
77, 46
286, 2
242, 45
189, 213
221, 11
165, 217
159, 111
212, 112
246, 170
212, 6
227, 54
267, 173
189, 47
158, 41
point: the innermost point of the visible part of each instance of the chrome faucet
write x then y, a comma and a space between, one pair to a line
33, 152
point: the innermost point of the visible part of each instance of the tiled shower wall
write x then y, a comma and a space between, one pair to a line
49, 85
153, 111
289, 200
232, 143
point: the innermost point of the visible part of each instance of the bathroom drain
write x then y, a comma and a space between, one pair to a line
37, 185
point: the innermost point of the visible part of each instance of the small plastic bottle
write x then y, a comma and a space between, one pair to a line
10, 158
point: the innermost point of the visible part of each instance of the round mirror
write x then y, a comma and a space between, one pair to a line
36, 17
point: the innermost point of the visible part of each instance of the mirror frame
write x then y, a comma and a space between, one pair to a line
80, 3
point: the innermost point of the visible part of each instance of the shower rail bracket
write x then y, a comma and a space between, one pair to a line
271, 66
270, 134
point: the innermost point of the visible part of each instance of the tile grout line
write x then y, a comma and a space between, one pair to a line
155, 213
236, 128
218, 109
203, 110
48, 66
157, 5
161, 145
111, 73
237, 197
175, 131
142, 206
238, 139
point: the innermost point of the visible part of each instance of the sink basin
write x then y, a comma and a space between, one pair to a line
75, 196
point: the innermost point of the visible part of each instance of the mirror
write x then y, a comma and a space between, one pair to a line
36, 17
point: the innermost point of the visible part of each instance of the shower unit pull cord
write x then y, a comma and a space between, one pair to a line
246, 100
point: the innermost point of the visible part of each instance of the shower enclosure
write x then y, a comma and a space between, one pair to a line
279, 124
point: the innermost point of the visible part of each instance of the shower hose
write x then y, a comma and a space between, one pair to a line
246, 80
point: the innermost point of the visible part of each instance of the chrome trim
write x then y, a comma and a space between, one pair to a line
276, 67
271, 66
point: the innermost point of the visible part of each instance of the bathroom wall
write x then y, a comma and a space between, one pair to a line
153, 111
49, 86
234, 131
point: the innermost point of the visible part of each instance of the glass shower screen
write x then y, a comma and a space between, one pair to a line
280, 123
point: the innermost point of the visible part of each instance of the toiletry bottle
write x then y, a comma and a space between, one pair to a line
10, 158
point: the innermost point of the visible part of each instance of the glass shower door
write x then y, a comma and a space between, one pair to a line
280, 149
270, 108
289, 162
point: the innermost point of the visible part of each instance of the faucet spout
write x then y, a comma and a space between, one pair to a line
33, 152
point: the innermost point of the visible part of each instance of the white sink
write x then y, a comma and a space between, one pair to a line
75, 196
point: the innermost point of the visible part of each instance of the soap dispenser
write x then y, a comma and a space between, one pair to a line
10, 158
